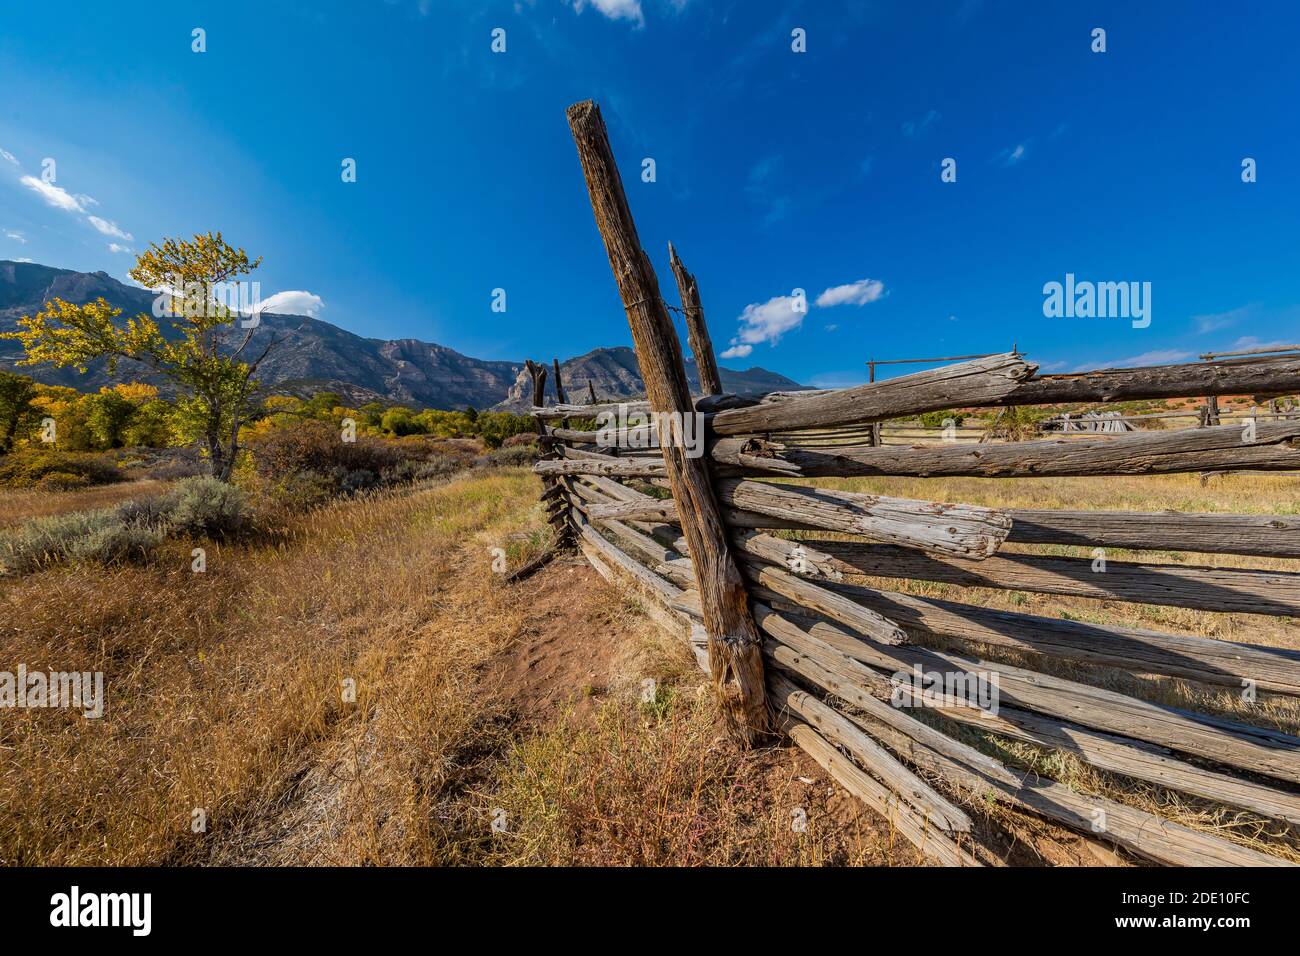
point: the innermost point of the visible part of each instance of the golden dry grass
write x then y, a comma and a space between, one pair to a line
224, 693
21, 504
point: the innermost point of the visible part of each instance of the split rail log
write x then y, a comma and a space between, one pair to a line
797, 651
1241, 590
934, 527
1002, 380
1149, 836
1276, 536
935, 809
931, 842
1210, 661
697, 333
1245, 746
735, 647
809, 652
982, 381
1276, 447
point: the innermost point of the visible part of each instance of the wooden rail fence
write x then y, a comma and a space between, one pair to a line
795, 645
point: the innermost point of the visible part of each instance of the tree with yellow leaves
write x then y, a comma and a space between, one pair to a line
205, 362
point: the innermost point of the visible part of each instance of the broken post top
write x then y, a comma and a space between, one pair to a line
697, 332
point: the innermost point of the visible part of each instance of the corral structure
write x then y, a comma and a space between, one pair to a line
753, 572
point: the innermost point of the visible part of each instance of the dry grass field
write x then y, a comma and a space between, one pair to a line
476, 702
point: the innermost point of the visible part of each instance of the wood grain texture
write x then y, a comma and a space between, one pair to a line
1276, 447
1173, 585
977, 382
697, 333
735, 650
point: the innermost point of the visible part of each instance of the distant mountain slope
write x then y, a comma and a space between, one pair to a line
317, 356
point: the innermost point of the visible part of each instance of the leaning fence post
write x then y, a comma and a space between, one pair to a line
697, 333
735, 648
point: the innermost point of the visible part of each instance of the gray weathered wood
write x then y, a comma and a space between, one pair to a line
735, 650
980, 381
1264, 535
697, 333
965, 530
837, 728
1276, 447
1176, 585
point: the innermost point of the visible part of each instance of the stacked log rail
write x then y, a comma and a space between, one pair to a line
832, 652
1113, 732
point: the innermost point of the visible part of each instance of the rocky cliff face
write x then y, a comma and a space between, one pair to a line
317, 356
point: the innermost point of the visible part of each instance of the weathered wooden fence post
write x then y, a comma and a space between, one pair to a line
697, 333
735, 647
557, 515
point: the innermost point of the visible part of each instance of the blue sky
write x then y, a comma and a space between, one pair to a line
775, 170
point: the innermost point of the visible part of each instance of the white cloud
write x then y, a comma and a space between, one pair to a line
114, 247
855, 293
56, 196
615, 9
1012, 156
109, 228
22, 259
5, 154
293, 302
1254, 342
16, 236
737, 351
766, 323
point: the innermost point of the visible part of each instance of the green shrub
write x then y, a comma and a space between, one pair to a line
517, 456
206, 506
936, 419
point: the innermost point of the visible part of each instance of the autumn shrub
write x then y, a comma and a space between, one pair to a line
49, 468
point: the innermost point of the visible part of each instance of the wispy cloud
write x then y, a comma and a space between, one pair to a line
16, 236
56, 196
760, 187
1214, 321
8, 156
109, 228
1011, 155
115, 247
854, 293
614, 9
916, 127
1156, 357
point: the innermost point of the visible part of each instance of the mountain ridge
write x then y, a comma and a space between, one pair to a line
319, 356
